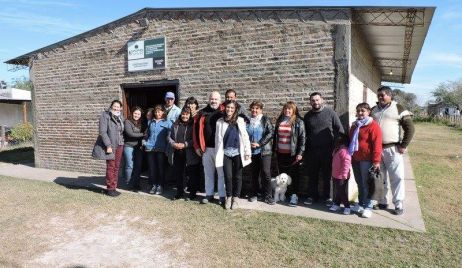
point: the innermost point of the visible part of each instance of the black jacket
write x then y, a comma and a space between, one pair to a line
297, 144
266, 141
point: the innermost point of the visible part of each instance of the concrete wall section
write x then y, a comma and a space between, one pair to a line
266, 60
12, 114
365, 77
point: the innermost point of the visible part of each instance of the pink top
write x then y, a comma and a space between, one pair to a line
341, 163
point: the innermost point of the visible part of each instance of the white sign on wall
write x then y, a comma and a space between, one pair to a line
140, 65
135, 50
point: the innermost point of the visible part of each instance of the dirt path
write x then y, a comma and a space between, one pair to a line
113, 242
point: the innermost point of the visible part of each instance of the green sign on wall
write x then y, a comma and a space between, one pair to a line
146, 55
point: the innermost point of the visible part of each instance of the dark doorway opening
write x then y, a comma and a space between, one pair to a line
148, 94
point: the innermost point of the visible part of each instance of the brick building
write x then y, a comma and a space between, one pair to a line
273, 54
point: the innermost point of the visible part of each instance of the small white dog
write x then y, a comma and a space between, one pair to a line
279, 185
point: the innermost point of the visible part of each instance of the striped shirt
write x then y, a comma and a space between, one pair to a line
284, 132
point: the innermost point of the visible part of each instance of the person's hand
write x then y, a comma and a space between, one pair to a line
246, 157
401, 150
180, 146
254, 145
199, 152
109, 150
298, 158
376, 166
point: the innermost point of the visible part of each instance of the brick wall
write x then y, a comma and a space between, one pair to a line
267, 60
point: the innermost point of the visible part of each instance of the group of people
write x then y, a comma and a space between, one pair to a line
222, 138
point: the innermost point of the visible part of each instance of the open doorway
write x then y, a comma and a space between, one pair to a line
147, 94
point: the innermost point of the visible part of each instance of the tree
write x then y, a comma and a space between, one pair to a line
23, 83
408, 100
449, 92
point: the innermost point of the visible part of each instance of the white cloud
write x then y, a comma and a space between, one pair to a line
40, 24
422, 89
448, 59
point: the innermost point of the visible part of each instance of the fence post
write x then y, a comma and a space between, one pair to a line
3, 136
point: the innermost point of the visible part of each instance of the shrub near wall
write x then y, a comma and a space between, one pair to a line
22, 132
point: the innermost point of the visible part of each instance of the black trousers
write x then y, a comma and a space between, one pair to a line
193, 172
157, 163
179, 164
319, 162
261, 165
341, 192
232, 169
286, 165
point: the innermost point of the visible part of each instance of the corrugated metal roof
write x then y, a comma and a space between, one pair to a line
395, 34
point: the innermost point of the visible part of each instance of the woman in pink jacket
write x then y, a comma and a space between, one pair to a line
341, 164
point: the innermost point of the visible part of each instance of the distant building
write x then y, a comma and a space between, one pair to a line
441, 109
273, 54
15, 107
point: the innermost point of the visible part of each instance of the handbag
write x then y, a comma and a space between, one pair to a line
375, 183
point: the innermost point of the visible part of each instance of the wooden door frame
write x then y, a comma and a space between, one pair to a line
141, 84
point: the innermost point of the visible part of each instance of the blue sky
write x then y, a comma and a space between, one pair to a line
26, 25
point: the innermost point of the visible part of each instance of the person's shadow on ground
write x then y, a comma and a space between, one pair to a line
92, 183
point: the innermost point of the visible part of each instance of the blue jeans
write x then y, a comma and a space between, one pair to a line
133, 161
361, 172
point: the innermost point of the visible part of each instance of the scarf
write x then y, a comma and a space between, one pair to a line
354, 144
256, 121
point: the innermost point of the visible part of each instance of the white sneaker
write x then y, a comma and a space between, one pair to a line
347, 211
358, 209
367, 213
153, 189
293, 200
159, 190
334, 208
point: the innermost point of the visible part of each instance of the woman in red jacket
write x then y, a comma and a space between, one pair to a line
366, 150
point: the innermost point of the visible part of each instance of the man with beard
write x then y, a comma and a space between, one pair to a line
322, 125
230, 95
204, 145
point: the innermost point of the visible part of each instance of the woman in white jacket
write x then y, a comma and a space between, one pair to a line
233, 151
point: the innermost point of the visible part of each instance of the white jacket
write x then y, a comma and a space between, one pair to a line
244, 142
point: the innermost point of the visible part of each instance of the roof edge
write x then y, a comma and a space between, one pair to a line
24, 59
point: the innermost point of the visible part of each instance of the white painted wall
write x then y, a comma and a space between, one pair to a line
11, 114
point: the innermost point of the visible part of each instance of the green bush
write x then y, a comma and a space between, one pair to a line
22, 132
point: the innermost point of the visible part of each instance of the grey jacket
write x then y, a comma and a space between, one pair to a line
132, 134
191, 157
109, 135
297, 142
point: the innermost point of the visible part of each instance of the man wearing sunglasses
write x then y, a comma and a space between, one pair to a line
392, 118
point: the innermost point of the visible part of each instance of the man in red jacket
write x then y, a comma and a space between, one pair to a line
204, 145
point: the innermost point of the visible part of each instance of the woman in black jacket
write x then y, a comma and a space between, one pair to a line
289, 144
181, 155
260, 132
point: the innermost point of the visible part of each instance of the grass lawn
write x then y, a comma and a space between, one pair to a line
37, 218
